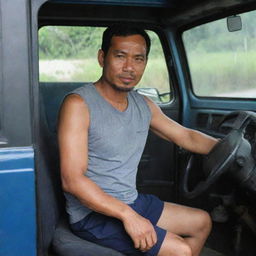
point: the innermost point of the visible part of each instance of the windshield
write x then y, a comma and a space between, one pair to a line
222, 63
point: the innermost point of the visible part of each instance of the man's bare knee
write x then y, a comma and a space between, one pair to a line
174, 245
205, 225
184, 250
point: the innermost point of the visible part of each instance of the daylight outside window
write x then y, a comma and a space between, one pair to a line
69, 54
223, 63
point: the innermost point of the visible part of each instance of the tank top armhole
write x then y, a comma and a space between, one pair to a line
137, 95
147, 106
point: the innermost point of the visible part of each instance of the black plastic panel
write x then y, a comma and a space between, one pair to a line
157, 168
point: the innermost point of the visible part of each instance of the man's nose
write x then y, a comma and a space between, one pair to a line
128, 65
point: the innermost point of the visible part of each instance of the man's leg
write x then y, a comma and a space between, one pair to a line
174, 245
188, 228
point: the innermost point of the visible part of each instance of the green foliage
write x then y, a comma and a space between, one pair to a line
61, 42
221, 73
222, 62
215, 37
58, 42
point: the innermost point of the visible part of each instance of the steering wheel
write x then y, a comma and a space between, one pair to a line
233, 147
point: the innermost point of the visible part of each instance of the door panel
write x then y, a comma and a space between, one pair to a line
17, 197
157, 168
206, 114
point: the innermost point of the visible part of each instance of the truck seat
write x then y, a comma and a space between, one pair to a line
54, 235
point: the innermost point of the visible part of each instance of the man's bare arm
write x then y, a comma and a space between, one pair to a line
170, 130
73, 144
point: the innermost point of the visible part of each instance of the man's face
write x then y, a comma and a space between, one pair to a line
124, 64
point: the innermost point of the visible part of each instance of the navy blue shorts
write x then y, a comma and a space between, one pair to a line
109, 232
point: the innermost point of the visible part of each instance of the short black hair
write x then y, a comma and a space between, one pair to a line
123, 30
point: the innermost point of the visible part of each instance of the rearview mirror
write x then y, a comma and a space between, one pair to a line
234, 23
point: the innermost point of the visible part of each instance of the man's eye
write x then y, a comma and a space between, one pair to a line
139, 59
119, 56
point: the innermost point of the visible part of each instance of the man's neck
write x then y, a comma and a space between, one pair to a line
117, 99
109, 93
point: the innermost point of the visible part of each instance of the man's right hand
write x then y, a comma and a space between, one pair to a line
141, 231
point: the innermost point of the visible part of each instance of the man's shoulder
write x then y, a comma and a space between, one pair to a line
85, 87
140, 97
84, 92
73, 98
73, 102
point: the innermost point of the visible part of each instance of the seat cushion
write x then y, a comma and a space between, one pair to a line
65, 243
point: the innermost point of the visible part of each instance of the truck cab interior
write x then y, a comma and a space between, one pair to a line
207, 50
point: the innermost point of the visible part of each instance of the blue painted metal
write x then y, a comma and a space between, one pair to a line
17, 202
221, 103
180, 76
153, 3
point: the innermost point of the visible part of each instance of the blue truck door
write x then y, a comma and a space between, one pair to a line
17, 179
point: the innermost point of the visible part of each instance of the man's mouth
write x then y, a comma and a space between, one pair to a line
126, 79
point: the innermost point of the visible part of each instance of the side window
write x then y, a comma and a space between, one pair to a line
156, 75
69, 54
222, 63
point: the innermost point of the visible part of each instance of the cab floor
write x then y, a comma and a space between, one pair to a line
226, 240
210, 252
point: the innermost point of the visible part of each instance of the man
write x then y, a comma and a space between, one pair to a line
102, 133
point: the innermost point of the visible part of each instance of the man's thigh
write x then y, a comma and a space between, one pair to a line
110, 232
181, 220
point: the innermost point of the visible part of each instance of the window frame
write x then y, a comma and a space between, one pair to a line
15, 76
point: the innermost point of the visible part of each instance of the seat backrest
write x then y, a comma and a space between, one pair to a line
52, 96
50, 200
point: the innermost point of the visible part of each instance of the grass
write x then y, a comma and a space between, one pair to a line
216, 73
86, 70
212, 73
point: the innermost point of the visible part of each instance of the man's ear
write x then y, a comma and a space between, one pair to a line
101, 57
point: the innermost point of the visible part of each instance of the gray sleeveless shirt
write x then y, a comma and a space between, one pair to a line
115, 144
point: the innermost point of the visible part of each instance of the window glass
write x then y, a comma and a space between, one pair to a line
222, 63
69, 54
